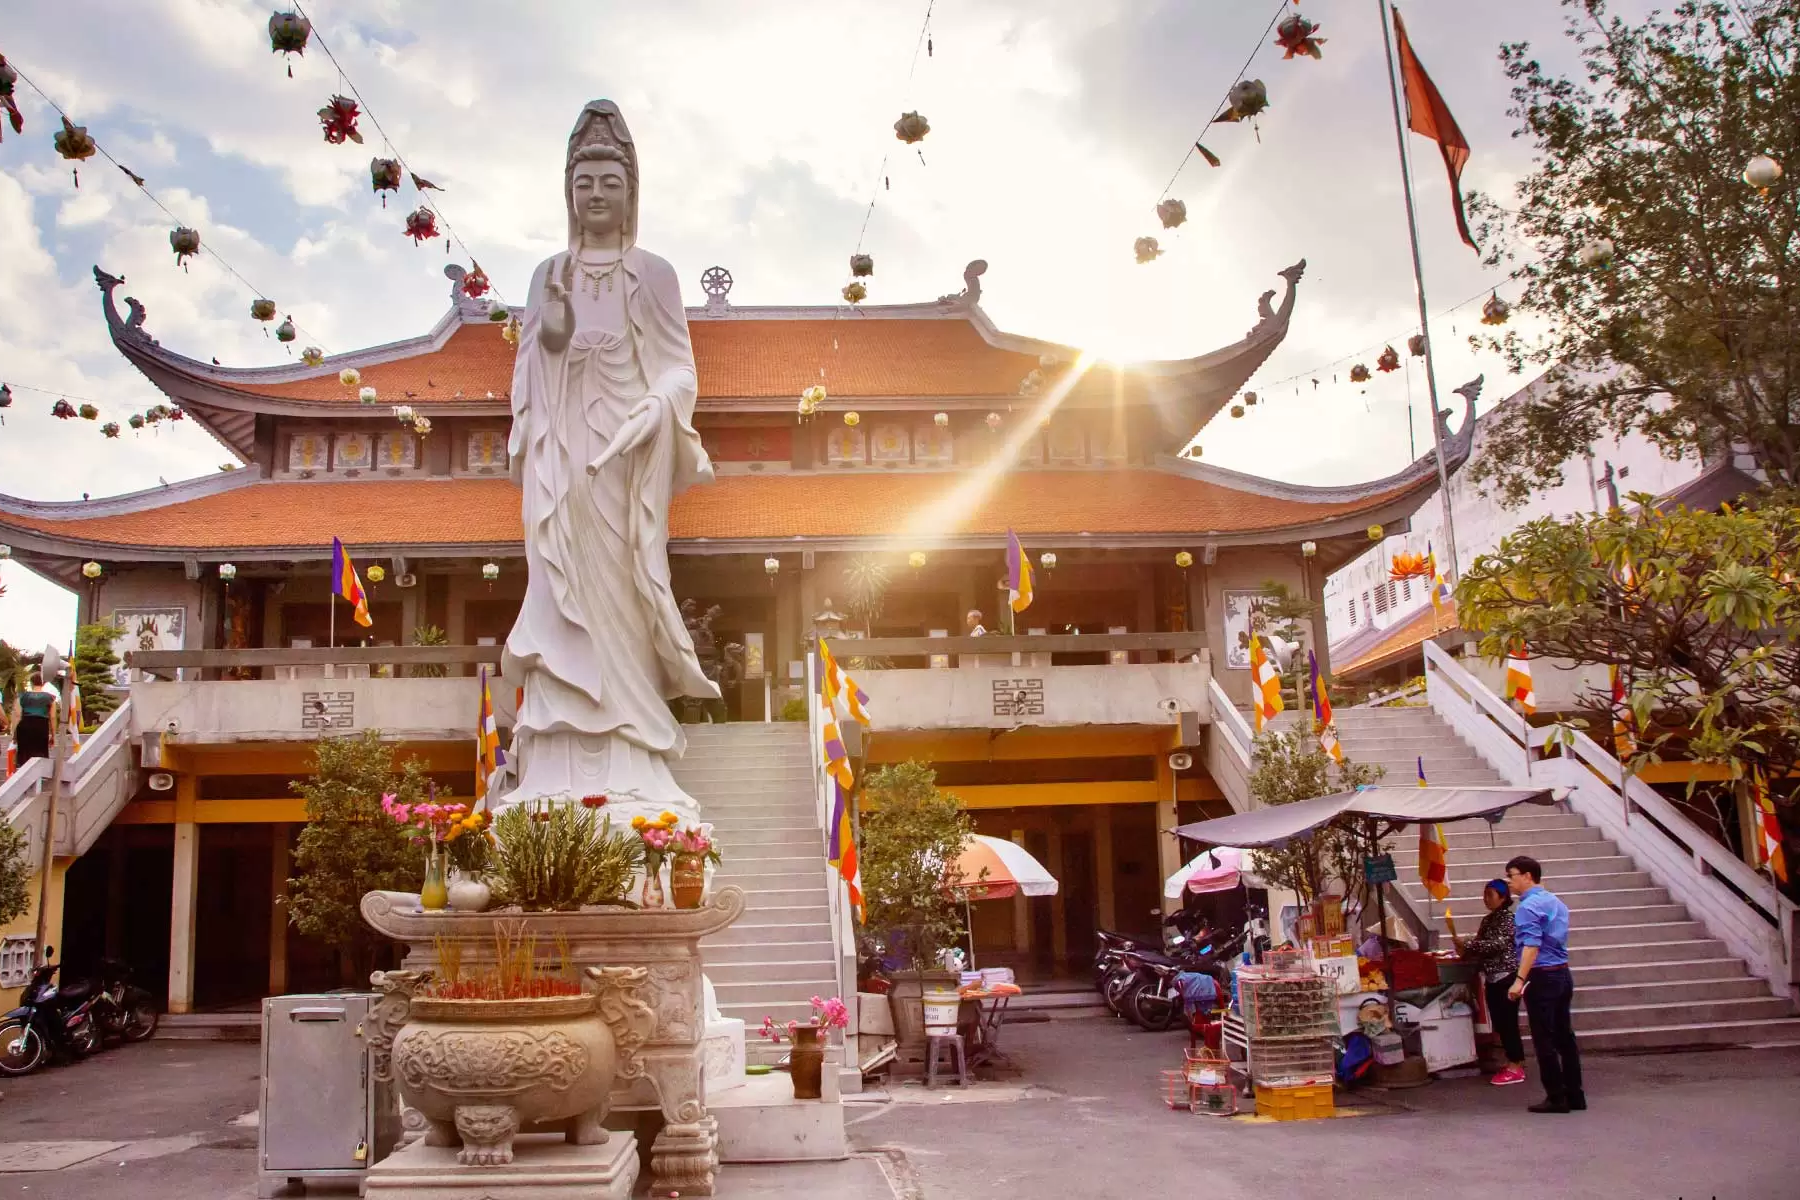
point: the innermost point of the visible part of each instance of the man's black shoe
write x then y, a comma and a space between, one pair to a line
1578, 1102
1548, 1105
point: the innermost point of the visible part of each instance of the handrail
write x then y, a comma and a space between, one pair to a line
1701, 872
1230, 737
22, 785
96, 744
1039, 643
166, 661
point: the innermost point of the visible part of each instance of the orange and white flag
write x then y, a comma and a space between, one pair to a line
1265, 684
1518, 682
1769, 827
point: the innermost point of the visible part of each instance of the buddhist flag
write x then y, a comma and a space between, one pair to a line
831, 680
489, 758
836, 758
1518, 682
858, 702
346, 582
1769, 826
74, 711
1265, 685
843, 848
1018, 573
1322, 718
1428, 116
1434, 852
1440, 590
1624, 742
1420, 760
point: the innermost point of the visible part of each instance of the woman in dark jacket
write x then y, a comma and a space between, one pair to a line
1491, 950
34, 716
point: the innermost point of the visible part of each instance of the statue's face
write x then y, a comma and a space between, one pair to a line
601, 197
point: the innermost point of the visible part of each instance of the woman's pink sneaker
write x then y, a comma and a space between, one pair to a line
1508, 1075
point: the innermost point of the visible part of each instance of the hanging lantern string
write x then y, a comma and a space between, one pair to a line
1372, 347
59, 393
436, 206
906, 94
1225, 101
205, 246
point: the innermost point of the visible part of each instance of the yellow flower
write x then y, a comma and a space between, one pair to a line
639, 821
668, 818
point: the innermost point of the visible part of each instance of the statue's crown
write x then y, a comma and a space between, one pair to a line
600, 127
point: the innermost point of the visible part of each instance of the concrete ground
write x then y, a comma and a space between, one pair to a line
1080, 1117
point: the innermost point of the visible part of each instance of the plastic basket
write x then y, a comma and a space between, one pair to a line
1177, 1092
1295, 1103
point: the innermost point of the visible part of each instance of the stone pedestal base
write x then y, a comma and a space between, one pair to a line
544, 1167
723, 1050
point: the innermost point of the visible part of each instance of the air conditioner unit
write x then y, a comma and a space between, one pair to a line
406, 580
1181, 760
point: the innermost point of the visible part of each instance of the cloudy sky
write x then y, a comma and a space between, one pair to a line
762, 130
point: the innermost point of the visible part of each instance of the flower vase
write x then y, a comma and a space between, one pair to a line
469, 893
687, 880
806, 1062
652, 896
434, 895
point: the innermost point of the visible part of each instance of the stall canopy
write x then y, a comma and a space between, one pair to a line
1217, 870
1282, 823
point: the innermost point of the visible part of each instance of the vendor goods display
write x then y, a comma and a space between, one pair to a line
1295, 1103
1291, 1021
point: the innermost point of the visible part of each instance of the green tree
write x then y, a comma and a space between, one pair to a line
1688, 331
1287, 767
15, 671
95, 659
1700, 611
349, 846
912, 835
15, 874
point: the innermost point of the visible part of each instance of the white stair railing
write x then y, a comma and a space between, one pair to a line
1736, 904
1229, 748
96, 784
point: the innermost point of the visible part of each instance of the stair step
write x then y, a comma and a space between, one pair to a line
1634, 935
1525, 816
754, 862
1639, 953
1775, 1032
1601, 918
771, 972
1481, 856
791, 836
1573, 875
1715, 970
1691, 1012
801, 983
1668, 992
717, 954
751, 1013
733, 823
812, 923
792, 897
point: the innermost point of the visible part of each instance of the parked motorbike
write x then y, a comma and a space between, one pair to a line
50, 1022
121, 1008
1150, 998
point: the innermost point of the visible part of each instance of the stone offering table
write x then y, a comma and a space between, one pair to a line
644, 965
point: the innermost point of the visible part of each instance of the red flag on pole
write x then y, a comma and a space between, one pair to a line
1428, 116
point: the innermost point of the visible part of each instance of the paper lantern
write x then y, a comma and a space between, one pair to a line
404, 413
6, 397
366, 395
862, 265
1047, 560
810, 400
1171, 213
227, 572
911, 128
941, 420
1309, 549
1375, 534
1295, 36
475, 285
338, 118
262, 310
852, 419
421, 223
312, 356
916, 559
384, 176
1249, 399
1495, 311
993, 422
490, 571
285, 332
1359, 374
771, 566
1762, 173
90, 412
62, 410
376, 573
855, 292
110, 429
74, 144
421, 426
288, 34
1248, 97
5, 552
1415, 345
185, 243
91, 569
1237, 410
1146, 249
349, 377
1388, 361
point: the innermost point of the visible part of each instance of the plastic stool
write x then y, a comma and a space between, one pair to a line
945, 1041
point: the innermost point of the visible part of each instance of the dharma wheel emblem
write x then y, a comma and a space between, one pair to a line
716, 281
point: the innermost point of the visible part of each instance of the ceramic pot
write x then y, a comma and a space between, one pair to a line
687, 880
652, 894
806, 1062
469, 893
480, 1069
434, 895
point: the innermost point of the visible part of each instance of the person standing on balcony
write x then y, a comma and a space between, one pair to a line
33, 717
972, 626
1541, 938
1492, 953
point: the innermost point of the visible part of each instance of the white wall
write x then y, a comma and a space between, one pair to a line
1481, 523
964, 697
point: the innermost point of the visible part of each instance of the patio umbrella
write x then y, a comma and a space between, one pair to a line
992, 868
1219, 869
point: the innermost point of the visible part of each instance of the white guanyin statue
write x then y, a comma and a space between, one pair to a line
602, 439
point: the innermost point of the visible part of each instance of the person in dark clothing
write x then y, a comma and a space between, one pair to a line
1491, 951
1541, 938
34, 716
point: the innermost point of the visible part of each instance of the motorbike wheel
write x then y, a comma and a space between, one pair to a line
22, 1049
140, 1017
87, 1039
1154, 1013
1118, 985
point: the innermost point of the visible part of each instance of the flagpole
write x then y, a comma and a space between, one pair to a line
1412, 229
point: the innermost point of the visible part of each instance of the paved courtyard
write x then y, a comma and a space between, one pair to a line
1082, 1118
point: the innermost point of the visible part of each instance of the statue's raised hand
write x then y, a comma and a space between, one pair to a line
559, 315
637, 429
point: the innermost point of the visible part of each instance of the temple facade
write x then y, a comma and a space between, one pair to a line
878, 518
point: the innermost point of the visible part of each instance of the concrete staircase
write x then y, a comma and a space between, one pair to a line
1646, 975
754, 782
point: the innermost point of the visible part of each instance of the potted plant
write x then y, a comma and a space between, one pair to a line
806, 1061
470, 847
433, 826
554, 855
693, 849
912, 835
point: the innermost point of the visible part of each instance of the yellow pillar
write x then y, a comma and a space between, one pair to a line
1021, 910
1168, 847
1103, 863
278, 920
1059, 936
182, 904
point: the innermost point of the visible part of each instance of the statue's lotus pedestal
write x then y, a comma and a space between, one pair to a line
649, 1019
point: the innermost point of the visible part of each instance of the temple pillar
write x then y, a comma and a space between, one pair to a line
1021, 910
183, 904
1168, 846
278, 909
1059, 935
1103, 864
1314, 574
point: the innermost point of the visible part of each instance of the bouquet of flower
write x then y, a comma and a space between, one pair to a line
696, 840
827, 1014
457, 827
658, 837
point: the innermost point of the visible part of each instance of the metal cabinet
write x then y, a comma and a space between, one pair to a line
321, 1117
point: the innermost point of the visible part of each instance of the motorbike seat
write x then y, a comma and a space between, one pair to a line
76, 992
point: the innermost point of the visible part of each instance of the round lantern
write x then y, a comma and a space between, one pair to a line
862, 265
404, 413
376, 573
1415, 345
1597, 253
911, 128
5, 552
1249, 399
285, 332
490, 571
771, 566
993, 421
366, 395
1171, 212
941, 420
916, 559
384, 176
227, 572
91, 569
855, 292
349, 376
1145, 249
262, 310
1762, 173
1047, 560
852, 419
185, 242
312, 356
1237, 410
1495, 311
1309, 549
1375, 533
1183, 559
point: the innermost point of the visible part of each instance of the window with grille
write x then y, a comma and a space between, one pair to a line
1406, 589
1382, 602
1353, 610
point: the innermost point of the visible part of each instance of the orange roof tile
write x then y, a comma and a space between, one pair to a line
1424, 625
485, 511
737, 358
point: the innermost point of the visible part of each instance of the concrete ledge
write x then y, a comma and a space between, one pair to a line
761, 1122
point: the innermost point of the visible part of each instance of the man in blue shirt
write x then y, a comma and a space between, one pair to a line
1541, 938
